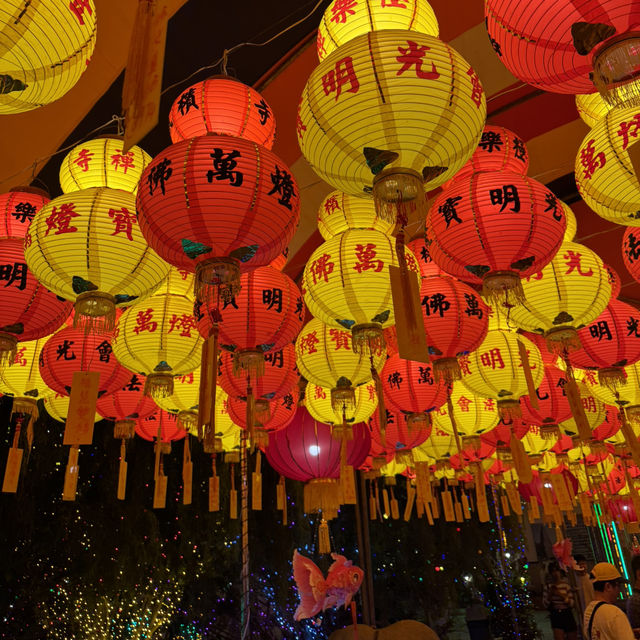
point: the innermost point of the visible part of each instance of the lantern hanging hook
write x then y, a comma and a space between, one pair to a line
119, 120
225, 60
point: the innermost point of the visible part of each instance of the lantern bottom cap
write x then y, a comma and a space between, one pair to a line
25, 405
399, 195
616, 73
447, 370
343, 398
248, 362
562, 340
503, 288
188, 420
124, 429
8, 349
159, 385
367, 338
612, 377
217, 278
95, 312
509, 409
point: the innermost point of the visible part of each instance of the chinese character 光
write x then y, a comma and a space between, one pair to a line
411, 56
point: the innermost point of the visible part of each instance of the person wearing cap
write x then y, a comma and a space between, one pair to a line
603, 620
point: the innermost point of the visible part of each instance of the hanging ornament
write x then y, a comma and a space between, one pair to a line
270, 415
57, 406
17, 209
317, 400
183, 402
398, 438
594, 410
160, 425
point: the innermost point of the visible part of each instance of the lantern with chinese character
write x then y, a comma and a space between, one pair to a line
75, 247
46, 46
428, 268
495, 228
270, 415
455, 320
224, 106
102, 163
572, 223
568, 46
183, 402
344, 20
70, 350
217, 205
399, 436
535, 444
548, 357
28, 311
594, 410
605, 169
363, 127
591, 108
17, 209
569, 293
178, 282
631, 252
436, 449
411, 387
57, 406
158, 338
626, 395
317, 400
497, 370
324, 356
501, 436
340, 212
160, 426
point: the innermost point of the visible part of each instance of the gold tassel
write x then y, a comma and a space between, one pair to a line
575, 403
95, 312
256, 485
324, 543
124, 429
343, 397
249, 362
562, 340
368, 339
447, 370
8, 350
509, 409
614, 378
122, 471
528, 376
233, 495
71, 475
615, 68
219, 277
159, 385
214, 487
521, 462
500, 286
187, 472
549, 431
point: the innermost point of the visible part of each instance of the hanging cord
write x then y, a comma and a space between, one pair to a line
245, 605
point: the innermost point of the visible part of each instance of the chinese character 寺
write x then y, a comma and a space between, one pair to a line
60, 219
14, 272
133, 385
492, 358
184, 323
341, 338
223, 167
272, 298
321, 268
449, 210
283, 186
344, 73
573, 262
124, 221
84, 156
145, 322
124, 160
412, 55
187, 100
341, 9
263, 111
507, 195
366, 259
590, 160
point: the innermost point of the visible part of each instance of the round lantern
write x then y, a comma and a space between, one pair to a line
278, 378
46, 46
610, 426
400, 435
57, 406
343, 21
265, 316
614, 280
158, 338
280, 261
17, 209
125, 406
340, 212
626, 395
495, 370
570, 292
501, 435
363, 125
568, 46
436, 449
572, 223
455, 321
594, 410
178, 282
427, 267
537, 444
217, 205
346, 285
270, 415
631, 252
318, 402
548, 357
605, 174
411, 387
224, 106
591, 108
498, 150
29, 311
70, 350
160, 426
494, 228
183, 402
102, 163
76, 244
324, 356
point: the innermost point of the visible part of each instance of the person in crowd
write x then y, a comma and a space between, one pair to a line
603, 620
558, 598
633, 603
583, 582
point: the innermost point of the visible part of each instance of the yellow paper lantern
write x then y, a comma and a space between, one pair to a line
495, 370
626, 395
592, 107
102, 163
400, 105
605, 175
437, 448
546, 463
158, 338
183, 402
86, 246
535, 444
46, 46
318, 402
594, 410
224, 423
340, 212
178, 282
392, 468
572, 223
570, 292
473, 415
57, 406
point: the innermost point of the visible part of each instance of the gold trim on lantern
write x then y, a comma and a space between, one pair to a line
322, 495
509, 409
612, 377
25, 405
616, 72
398, 192
633, 413
8, 349
124, 429
447, 370
343, 397
471, 441
549, 431
367, 338
217, 274
562, 339
248, 362
159, 385
188, 420
502, 286
95, 312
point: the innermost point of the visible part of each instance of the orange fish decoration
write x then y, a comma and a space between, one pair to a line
317, 593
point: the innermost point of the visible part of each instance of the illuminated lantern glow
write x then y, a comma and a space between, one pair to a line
436, 449
270, 415
498, 150
46, 48
569, 46
325, 357
160, 426
360, 140
591, 108
466, 224
411, 387
535, 444
57, 406
280, 261
495, 370
341, 22
605, 173
317, 400
547, 356
428, 268
224, 106
29, 311
218, 205
179, 282
631, 252
75, 247
473, 452
102, 163
183, 402
572, 223
17, 209
340, 212
400, 436
569, 293
158, 338
455, 321
614, 280
595, 412
610, 426
506, 440
70, 350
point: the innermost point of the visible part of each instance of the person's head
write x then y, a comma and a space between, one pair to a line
581, 561
555, 573
635, 569
606, 581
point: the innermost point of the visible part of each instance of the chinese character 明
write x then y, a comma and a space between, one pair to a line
14, 272
366, 259
464, 403
272, 298
64, 351
223, 167
84, 156
78, 7
321, 268
308, 343
437, 303
395, 379
507, 195
283, 186
145, 322
344, 73
159, 175
275, 358
341, 338
473, 306
263, 111
632, 247
411, 56
341, 9
632, 328
187, 100
449, 210
24, 211
185, 323
124, 160
124, 221
104, 350
424, 375
519, 150
492, 358
60, 219
589, 404
573, 262
491, 141
600, 330
590, 160
331, 205
629, 129
476, 88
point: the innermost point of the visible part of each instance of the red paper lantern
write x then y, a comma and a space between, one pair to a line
541, 343
420, 249
279, 377
70, 350
269, 414
223, 106
455, 321
494, 228
609, 427
217, 205
17, 209
473, 452
631, 252
614, 280
410, 387
162, 425
399, 437
500, 435
29, 311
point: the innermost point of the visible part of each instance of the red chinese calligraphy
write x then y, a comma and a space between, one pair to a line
489, 404
573, 262
476, 88
184, 323
319, 393
342, 9
20, 359
321, 268
372, 392
629, 129
343, 74
492, 359
78, 7
589, 404
590, 160
330, 205
464, 403
308, 343
124, 221
412, 56
187, 379
60, 219
320, 44
400, 4
145, 322
341, 338
83, 159
124, 161
365, 254
463, 361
